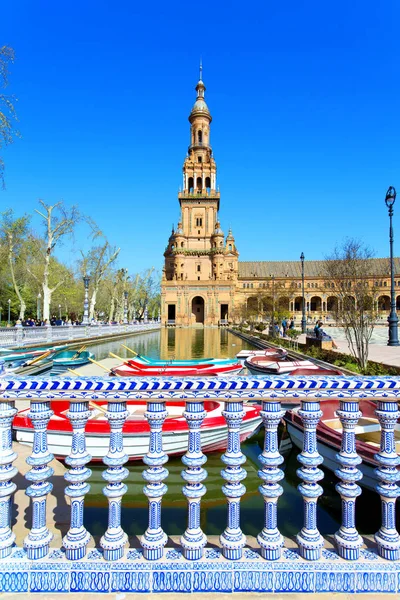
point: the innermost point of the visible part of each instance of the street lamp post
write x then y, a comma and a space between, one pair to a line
273, 306
303, 302
125, 307
86, 281
0, 315
39, 296
392, 319
59, 311
9, 309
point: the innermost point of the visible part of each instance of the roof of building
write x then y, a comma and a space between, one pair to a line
312, 268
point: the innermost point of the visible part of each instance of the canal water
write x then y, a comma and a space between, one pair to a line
192, 343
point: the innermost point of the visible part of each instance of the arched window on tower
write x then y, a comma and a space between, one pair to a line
200, 137
199, 184
191, 185
230, 246
208, 184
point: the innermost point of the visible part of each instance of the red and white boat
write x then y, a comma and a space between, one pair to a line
271, 353
329, 437
136, 431
131, 369
263, 365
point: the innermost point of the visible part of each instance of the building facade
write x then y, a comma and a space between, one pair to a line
204, 283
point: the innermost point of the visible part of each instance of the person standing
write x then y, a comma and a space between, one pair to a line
284, 326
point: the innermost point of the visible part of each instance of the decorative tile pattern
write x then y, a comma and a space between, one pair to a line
90, 581
223, 388
251, 554
134, 554
14, 581
213, 554
253, 581
206, 575
334, 582
294, 581
130, 581
213, 581
49, 581
172, 581
173, 554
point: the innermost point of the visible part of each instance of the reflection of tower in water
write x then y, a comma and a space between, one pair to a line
190, 343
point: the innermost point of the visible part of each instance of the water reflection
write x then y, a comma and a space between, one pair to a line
199, 343
171, 343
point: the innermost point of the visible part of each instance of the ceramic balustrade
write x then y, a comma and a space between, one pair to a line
20, 336
37, 542
270, 545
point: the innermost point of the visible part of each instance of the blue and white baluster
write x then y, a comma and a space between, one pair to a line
194, 540
347, 538
37, 542
77, 538
270, 539
233, 539
309, 539
387, 538
154, 538
7, 472
114, 539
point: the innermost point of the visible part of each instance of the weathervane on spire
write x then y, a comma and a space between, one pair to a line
201, 69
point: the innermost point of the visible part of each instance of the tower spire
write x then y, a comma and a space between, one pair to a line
201, 70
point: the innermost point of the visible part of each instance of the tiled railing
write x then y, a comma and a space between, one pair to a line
21, 336
270, 566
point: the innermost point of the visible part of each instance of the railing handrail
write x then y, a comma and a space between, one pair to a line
269, 565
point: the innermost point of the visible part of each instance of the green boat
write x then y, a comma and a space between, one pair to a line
72, 358
23, 354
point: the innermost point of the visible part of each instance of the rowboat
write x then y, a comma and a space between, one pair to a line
329, 437
136, 432
72, 358
145, 361
20, 356
267, 352
129, 369
261, 365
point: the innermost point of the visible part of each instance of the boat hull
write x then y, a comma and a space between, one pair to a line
127, 370
145, 361
136, 432
329, 453
66, 359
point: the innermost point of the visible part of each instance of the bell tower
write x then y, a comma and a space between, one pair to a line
199, 199
197, 258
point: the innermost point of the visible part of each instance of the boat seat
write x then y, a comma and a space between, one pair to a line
365, 425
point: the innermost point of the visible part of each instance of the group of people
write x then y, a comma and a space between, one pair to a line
286, 326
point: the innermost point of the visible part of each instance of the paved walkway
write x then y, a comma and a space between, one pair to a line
387, 355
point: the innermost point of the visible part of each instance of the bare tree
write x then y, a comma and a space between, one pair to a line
7, 110
349, 271
97, 262
13, 232
58, 222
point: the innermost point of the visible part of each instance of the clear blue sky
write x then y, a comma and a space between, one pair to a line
304, 95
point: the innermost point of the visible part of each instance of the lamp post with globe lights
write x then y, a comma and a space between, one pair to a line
39, 296
392, 319
303, 303
86, 281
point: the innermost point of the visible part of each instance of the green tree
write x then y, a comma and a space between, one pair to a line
13, 235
